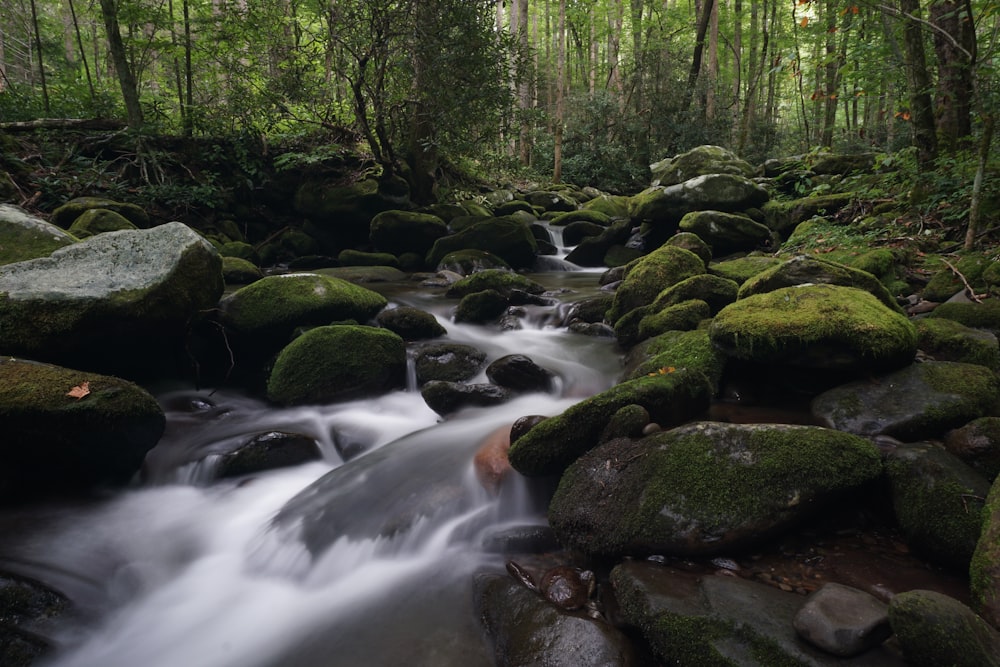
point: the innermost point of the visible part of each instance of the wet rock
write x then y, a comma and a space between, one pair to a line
692, 242
481, 307
445, 398
410, 323
506, 238
823, 327
676, 349
801, 270
236, 271
699, 161
526, 630
500, 280
519, 373
920, 401
397, 232
469, 261
705, 488
947, 340
350, 257
452, 362
934, 629
726, 232
521, 540
591, 251
575, 232
25, 605
783, 216
119, 303
984, 571
262, 316
938, 501
268, 451
98, 220
978, 444
67, 431
842, 620
23, 236
335, 363
648, 276
67, 214
554, 443
723, 621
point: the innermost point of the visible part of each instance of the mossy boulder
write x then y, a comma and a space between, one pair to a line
783, 216
722, 192
410, 323
720, 621
97, 220
499, 280
508, 239
481, 307
116, 303
978, 444
677, 349
917, 402
947, 340
984, 570
816, 326
592, 216
705, 488
985, 315
469, 261
452, 362
945, 283
23, 236
594, 250
552, 200
802, 269
268, 451
337, 362
241, 250
66, 215
264, 314
67, 431
726, 232
933, 629
938, 501
352, 257
741, 269
513, 206
613, 206
699, 161
237, 271
574, 232
340, 215
681, 316
647, 276
553, 444
397, 232
715, 291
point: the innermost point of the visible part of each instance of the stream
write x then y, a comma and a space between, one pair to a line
367, 560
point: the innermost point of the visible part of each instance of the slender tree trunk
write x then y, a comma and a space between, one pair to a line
989, 122
188, 71
560, 94
126, 78
713, 62
699, 47
919, 82
831, 68
955, 46
524, 87
83, 52
41, 62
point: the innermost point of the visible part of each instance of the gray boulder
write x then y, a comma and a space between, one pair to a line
410, 323
66, 215
726, 232
23, 236
705, 488
699, 161
719, 192
933, 630
445, 398
118, 302
508, 239
399, 232
451, 362
842, 620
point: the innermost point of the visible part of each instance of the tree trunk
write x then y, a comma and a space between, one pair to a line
126, 78
41, 63
713, 62
989, 122
699, 47
919, 82
560, 94
83, 52
955, 46
830, 77
524, 86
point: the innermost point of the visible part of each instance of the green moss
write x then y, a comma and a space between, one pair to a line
584, 215
646, 277
351, 257
682, 349
98, 220
786, 322
29, 238
946, 283
715, 291
947, 340
742, 269
496, 279
934, 629
236, 271
679, 317
985, 315
984, 569
783, 215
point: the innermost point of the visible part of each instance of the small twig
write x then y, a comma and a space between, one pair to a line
971, 293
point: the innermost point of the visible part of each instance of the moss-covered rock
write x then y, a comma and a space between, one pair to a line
469, 261
340, 215
583, 215
705, 488
692, 242
815, 326
506, 238
783, 216
553, 444
397, 232
263, 315
593, 250
802, 269
337, 362
681, 316
647, 276
513, 206
66, 215
743, 268
97, 220
947, 340
722, 192
574, 232
699, 161
946, 283
938, 501
677, 349
236, 271
67, 431
116, 303
24, 236
978, 444
351, 257
715, 291
613, 206
933, 629
410, 323
451, 362
985, 315
984, 570
240, 250
481, 307
499, 280
726, 232
917, 402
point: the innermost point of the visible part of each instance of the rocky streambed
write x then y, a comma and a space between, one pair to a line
683, 442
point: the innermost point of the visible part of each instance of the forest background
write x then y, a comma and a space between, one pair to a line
589, 92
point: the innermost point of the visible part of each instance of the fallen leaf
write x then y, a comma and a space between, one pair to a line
79, 391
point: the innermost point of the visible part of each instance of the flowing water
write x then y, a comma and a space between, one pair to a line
365, 561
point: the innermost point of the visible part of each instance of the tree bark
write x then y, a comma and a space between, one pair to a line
919, 83
954, 45
126, 78
989, 123
560, 94
41, 62
699, 47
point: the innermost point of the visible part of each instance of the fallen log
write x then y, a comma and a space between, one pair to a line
63, 124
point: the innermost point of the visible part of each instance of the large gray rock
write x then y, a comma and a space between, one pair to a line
720, 192
842, 620
506, 238
720, 621
114, 303
23, 236
705, 488
725, 232
400, 232
984, 571
699, 161
934, 629
68, 431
